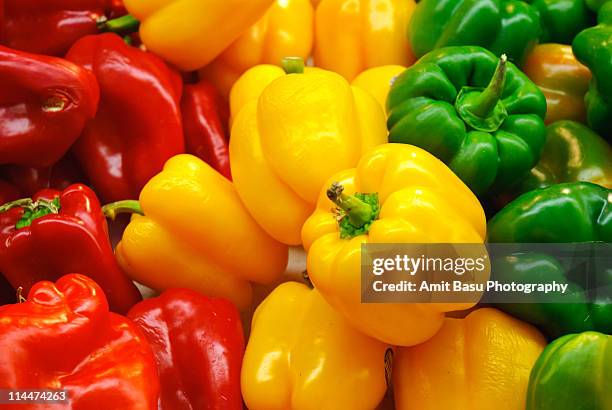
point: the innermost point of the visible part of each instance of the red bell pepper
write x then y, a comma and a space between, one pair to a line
54, 234
205, 122
48, 27
58, 176
198, 345
44, 105
138, 124
64, 337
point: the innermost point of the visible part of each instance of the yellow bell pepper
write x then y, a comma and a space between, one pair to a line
285, 30
191, 33
421, 201
480, 362
195, 233
352, 35
284, 145
378, 80
302, 355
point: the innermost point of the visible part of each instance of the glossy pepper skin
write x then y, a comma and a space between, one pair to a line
191, 33
563, 80
534, 217
592, 48
485, 122
303, 355
286, 29
478, 362
575, 314
198, 346
574, 372
572, 153
281, 153
378, 81
52, 241
512, 27
195, 226
413, 191
64, 337
44, 105
353, 35
561, 20
48, 27
205, 122
138, 124
501, 26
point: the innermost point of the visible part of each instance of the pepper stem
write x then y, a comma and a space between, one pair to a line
32, 209
121, 25
487, 100
293, 65
20, 298
357, 211
128, 206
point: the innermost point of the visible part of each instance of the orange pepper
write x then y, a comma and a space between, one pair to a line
562, 79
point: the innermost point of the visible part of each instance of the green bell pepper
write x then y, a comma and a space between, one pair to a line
578, 312
572, 152
563, 213
477, 113
573, 373
561, 20
592, 48
512, 27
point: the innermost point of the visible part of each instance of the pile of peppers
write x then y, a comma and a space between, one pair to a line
187, 186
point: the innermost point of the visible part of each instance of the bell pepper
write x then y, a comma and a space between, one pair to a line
397, 194
286, 29
561, 20
573, 373
579, 311
353, 35
138, 124
563, 80
44, 105
510, 27
378, 80
56, 233
198, 346
572, 153
583, 208
592, 48
286, 142
205, 123
58, 176
49, 27
303, 355
195, 227
485, 122
480, 362
64, 337
191, 33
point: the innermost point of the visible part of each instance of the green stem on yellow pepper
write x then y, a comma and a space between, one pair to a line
121, 25
128, 206
293, 65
